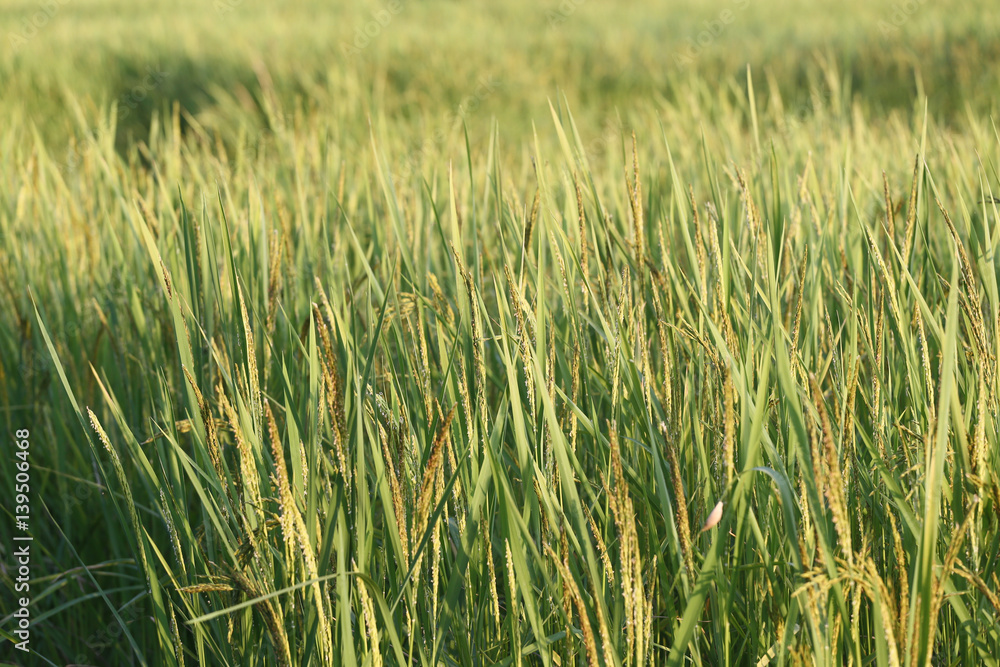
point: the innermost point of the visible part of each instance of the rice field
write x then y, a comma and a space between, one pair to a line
463, 333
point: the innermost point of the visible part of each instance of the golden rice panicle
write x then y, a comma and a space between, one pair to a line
980, 584
753, 217
847, 423
584, 260
638, 600
175, 542
529, 225
197, 252
436, 541
729, 437
456, 489
699, 246
713, 238
168, 283
648, 629
607, 647
522, 325
902, 587
285, 499
513, 607
877, 408
569, 584
270, 611
635, 200
295, 532
116, 462
574, 394
629, 554
464, 396
511, 578
323, 300
622, 308
368, 613
331, 374
304, 471
175, 637
248, 478
602, 549
427, 494
274, 281
665, 358
442, 307
887, 275
148, 215
617, 471
968, 275
890, 220
515, 302
889, 619
949, 563
251, 356
798, 305
980, 452
399, 509
835, 480
543, 516
624, 301
926, 360
478, 352
550, 389
325, 340
424, 365
911, 213
683, 520
211, 436
644, 345
566, 598
971, 303
475, 324
721, 315
205, 588
806, 535
491, 568
332, 390
554, 247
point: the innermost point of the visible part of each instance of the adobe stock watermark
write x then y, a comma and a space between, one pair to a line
817, 103
73, 159
901, 13
131, 99
711, 31
556, 17
35, 364
599, 146
106, 637
370, 30
30, 25
226, 6
488, 85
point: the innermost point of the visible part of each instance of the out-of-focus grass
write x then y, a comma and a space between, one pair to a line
429, 57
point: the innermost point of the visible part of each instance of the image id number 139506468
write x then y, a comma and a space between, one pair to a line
22, 538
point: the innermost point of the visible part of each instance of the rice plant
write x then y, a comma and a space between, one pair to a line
678, 393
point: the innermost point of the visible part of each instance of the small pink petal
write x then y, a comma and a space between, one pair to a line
714, 517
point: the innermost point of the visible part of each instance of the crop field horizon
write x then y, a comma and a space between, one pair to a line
443, 333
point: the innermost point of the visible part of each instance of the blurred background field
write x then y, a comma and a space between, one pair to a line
513, 355
609, 59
